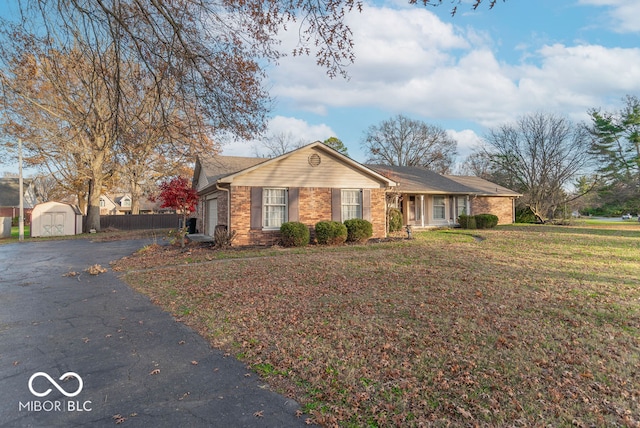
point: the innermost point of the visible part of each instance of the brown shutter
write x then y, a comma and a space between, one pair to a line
256, 208
294, 194
366, 204
336, 205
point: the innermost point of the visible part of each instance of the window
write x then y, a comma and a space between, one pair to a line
351, 201
274, 202
461, 205
439, 208
126, 202
102, 204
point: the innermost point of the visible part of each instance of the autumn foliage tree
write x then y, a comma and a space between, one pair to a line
177, 193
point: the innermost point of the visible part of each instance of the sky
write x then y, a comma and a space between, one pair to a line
465, 73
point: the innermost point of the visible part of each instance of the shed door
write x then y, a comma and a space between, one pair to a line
212, 216
52, 224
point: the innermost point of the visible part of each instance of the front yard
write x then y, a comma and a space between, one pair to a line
519, 326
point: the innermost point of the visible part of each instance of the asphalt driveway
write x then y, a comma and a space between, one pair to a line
127, 362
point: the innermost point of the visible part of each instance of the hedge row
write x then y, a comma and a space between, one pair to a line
296, 234
479, 221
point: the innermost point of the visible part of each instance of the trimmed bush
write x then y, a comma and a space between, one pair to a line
395, 220
486, 221
467, 221
358, 230
331, 232
294, 234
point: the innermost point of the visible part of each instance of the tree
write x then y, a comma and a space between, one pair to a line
277, 144
542, 154
337, 145
177, 193
616, 147
60, 103
405, 142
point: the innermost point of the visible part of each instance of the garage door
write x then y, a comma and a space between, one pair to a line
212, 216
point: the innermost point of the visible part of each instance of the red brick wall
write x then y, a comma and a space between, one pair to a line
496, 205
314, 206
378, 213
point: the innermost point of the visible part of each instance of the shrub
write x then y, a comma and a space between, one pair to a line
486, 221
294, 234
358, 230
395, 220
223, 238
331, 232
467, 221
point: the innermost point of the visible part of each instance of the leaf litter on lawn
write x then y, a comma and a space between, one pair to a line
531, 326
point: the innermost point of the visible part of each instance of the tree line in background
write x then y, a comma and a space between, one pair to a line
562, 167
128, 91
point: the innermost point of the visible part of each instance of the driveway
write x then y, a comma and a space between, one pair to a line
131, 363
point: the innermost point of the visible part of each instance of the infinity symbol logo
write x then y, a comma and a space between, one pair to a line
54, 383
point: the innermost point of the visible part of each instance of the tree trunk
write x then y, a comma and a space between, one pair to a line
135, 197
95, 190
82, 201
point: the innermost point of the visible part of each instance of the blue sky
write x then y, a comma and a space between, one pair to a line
466, 73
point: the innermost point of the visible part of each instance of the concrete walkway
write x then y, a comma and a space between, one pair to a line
138, 366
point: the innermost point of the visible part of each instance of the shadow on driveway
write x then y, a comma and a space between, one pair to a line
137, 365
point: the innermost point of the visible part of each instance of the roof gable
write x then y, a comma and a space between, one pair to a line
230, 169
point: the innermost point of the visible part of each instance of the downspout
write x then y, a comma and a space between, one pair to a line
228, 205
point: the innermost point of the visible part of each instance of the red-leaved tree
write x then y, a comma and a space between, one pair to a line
178, 194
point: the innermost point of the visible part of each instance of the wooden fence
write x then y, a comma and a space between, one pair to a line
140, 221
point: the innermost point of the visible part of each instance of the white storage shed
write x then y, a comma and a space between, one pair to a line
55, 219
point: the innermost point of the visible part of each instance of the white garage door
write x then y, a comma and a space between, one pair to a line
212, 216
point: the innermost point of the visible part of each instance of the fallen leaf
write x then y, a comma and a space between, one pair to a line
95, 269
259, 414
154, 372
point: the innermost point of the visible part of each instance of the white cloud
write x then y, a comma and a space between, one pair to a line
299, 128
623, 14
410, 62
467, 141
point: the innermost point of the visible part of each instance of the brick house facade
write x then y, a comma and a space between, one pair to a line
310, 183
254, 196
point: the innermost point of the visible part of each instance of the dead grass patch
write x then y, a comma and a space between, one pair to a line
532, 326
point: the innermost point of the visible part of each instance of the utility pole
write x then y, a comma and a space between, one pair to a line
21, 185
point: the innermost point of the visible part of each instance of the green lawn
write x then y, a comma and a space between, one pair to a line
518, 326
15, 232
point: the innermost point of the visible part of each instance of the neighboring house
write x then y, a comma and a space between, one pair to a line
108, 206
120, 204
429, 199
254, 196
10, 197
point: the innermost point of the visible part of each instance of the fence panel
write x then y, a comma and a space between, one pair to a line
140, 221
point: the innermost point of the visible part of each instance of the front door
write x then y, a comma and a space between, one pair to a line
212, 216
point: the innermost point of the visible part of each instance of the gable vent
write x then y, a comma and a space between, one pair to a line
314, 159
